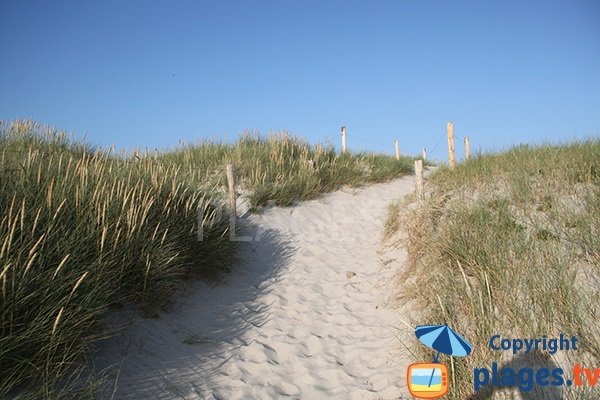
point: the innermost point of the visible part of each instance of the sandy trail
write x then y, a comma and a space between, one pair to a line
289, 322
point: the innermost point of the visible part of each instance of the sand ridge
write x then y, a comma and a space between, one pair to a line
305, 315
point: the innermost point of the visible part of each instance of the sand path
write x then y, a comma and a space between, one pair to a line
290, 322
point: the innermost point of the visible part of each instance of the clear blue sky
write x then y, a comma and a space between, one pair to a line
151, 73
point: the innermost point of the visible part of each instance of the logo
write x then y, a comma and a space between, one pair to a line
530, 367
427, 380
430, 380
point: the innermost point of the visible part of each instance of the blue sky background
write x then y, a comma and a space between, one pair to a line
153, 73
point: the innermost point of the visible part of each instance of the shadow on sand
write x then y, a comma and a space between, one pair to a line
178, 354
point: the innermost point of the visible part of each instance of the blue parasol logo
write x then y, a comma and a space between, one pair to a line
430, 380
443, 339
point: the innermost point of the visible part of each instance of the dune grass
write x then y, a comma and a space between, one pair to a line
282, 169
83, 230
509, 244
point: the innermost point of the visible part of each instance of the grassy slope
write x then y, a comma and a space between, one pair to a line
510, 244
82, 230
79, 231
283, 169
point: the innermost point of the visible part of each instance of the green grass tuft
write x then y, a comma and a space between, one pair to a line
80, 230
509, 244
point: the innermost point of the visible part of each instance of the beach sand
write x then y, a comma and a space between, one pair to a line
307, 313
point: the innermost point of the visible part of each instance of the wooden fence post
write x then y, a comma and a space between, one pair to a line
467, 148
419, 178
450, 129
396, 150
424, 155
343, 140
232, 205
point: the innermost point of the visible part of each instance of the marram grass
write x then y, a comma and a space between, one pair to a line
282, 169
83, 229
509, 244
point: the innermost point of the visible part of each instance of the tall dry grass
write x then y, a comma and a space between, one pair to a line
509, 244
281, 169
80, 231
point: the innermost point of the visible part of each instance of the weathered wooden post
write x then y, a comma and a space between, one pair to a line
467, 148
343, 140
450, 129
396, 150
419, 179
232, 205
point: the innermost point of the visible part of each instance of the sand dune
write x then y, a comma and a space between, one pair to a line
305, 314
